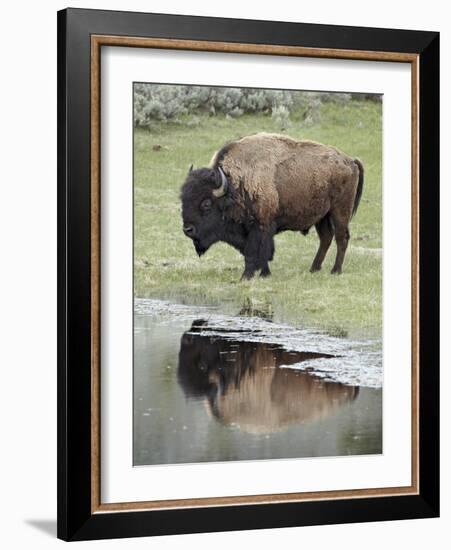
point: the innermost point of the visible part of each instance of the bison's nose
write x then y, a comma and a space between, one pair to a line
189, 230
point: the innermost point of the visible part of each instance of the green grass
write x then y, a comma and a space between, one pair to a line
166, 265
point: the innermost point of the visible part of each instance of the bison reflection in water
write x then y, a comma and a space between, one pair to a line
242, 382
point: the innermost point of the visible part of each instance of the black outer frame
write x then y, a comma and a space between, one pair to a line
75, 520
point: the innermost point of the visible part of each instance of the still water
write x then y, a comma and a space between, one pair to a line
212, 387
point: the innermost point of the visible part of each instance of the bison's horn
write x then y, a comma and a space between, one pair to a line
222, 189
190, 169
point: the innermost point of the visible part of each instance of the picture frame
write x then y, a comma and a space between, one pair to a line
81, 36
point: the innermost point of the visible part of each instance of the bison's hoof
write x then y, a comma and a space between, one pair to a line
246, 276
315, 268
265, 273
336, 271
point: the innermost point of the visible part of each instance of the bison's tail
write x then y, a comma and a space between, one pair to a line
359, 192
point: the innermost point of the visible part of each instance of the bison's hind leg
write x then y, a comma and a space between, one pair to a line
342, 236
325, 230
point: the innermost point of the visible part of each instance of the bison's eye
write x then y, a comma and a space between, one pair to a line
205, 205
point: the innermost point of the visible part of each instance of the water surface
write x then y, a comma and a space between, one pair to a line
215, 387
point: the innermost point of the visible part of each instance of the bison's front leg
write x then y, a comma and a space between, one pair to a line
265, 272
258, 251
250, 267
267, 252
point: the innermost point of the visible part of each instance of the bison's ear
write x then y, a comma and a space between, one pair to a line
190, 169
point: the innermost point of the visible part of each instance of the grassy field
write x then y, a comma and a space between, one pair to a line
166, 265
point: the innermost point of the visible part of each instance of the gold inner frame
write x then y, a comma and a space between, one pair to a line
97, 41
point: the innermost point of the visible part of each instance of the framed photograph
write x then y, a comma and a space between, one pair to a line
248, 274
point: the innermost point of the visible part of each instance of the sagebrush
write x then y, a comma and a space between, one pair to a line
180, 104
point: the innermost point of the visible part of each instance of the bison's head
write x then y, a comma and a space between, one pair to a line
204, 196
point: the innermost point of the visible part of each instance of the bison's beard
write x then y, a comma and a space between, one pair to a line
203, 244
200, 248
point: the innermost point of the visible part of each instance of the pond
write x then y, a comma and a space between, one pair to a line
215, 387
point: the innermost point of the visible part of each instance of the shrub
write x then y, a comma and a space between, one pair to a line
180, 103
281, 116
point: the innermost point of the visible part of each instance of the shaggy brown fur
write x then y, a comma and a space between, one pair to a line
303, 178
272, 399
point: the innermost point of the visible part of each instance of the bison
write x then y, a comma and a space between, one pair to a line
242, 383
263, 184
